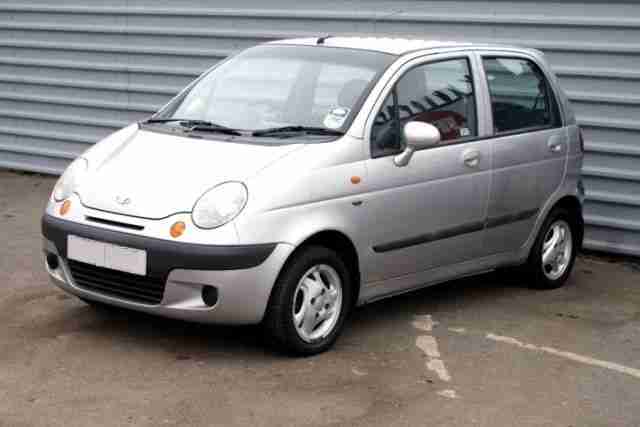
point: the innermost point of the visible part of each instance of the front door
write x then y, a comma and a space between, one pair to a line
431, 212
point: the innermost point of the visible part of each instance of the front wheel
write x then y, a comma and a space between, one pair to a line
309, 302
554, 251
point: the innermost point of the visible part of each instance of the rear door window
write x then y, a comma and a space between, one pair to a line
521, 98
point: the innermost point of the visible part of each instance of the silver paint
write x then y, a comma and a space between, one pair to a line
299, 190
317, 302
557, 248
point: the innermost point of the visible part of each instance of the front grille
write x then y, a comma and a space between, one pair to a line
114, 223
143, 289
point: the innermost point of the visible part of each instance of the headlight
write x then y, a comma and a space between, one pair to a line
70, 179
219, 205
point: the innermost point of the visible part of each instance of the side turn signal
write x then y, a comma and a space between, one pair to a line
177, 229
66, 206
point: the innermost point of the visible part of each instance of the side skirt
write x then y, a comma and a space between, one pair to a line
375, 291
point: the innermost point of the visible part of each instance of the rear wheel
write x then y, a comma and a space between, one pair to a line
309, 302
554, 251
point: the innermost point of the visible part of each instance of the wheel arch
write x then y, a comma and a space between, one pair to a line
343, 245
572, 204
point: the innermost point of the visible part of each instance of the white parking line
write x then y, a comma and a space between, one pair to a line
424, 323
451, 394
429, 346
437, 366
568, 355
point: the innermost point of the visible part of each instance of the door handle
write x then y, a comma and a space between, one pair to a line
555, 144
471, 158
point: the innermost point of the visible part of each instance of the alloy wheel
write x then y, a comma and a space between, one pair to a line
317, 302
557, 250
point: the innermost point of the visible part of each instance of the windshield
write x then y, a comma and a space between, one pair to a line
273, 86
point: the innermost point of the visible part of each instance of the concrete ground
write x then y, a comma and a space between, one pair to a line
482, 351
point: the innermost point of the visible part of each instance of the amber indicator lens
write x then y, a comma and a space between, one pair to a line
66, 206
177, 229
355, 180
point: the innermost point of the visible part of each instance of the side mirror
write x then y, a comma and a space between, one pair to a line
418, 135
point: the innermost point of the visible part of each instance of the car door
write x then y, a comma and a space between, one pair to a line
528, 148
431, 212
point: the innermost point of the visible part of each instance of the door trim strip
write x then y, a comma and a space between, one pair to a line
497, 221
445, 233
448, 233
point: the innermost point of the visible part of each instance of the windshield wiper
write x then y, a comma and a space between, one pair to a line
198, 125
296, 129
212, 127
174, 119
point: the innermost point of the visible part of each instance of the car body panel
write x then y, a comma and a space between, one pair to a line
525, 174
240, 300
179, 171
432, 220
435, 193
436, 181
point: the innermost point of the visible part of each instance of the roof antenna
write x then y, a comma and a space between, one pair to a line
322, 39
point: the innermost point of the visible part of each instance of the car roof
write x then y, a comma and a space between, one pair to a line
393, 46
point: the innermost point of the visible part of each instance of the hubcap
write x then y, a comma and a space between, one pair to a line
317, 302
556, 250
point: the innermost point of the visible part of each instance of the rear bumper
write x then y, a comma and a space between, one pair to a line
243, 275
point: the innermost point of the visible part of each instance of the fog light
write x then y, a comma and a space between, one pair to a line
177, 229
66, 206
52, 262
210, 295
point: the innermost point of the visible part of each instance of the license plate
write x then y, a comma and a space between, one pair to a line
107, 255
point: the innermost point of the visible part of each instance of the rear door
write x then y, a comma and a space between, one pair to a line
528, 147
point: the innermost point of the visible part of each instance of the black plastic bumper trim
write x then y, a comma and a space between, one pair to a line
510, 218
448, 233
162, 255
430, 237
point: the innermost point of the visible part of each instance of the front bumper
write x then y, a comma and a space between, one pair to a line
242, 274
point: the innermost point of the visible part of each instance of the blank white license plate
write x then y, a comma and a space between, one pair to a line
107, 255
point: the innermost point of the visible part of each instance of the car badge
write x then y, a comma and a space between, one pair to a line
123, 200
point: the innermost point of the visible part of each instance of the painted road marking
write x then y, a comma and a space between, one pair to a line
437, 366
633, 372
567, 355
451, 394
429, 346
358, 372
424, 323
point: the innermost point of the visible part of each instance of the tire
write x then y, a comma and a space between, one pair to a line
552, 238
289, 322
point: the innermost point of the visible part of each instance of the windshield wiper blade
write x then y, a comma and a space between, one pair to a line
212, 127
174, 119
295, 129
198, 125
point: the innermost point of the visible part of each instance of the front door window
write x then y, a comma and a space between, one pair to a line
439, 93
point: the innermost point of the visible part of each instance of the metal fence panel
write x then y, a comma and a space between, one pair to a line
72, 72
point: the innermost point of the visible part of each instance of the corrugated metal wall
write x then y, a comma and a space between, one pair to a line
71, 72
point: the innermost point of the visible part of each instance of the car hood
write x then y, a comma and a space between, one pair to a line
154, 175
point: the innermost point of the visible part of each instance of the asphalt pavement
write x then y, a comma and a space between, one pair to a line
483, 351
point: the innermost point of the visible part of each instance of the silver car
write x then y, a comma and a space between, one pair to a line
301, 178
